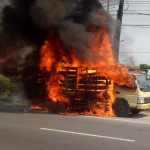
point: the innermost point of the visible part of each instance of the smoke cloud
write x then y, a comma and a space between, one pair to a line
70, 17
50, 13
126, 56
3, 3
31, 20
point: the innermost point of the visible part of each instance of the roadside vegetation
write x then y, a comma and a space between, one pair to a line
145, 68
7, 87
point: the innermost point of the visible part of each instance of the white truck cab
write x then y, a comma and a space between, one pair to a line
132, 100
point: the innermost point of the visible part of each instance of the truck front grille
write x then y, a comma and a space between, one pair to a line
147, 100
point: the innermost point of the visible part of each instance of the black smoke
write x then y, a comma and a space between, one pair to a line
17, 20
83, 8
17, 17
30, 20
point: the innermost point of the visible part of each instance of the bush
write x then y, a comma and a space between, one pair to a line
7, 86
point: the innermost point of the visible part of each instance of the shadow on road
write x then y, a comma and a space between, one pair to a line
17, 108
10, 107
140, 115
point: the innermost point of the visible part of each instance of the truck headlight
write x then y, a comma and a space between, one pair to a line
140, 99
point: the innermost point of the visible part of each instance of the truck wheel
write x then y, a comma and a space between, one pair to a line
135, 111
121, 109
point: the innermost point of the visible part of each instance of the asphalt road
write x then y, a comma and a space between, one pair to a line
30, 131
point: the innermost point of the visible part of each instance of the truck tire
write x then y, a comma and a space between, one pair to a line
121, 108
135, 111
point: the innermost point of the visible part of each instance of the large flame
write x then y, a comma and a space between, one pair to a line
106, 64
54, 57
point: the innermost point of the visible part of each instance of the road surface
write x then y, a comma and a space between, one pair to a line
34, 131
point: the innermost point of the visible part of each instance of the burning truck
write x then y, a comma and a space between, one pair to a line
72, 69
81, 86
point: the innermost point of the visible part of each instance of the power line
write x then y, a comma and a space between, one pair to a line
138, 1
127, 6
132, 12
135, 13
140, 61
139, 6
136, 19
134, 52
139, 27
136, 25
139, 13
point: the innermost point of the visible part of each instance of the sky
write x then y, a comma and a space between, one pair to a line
135, 40
140, 36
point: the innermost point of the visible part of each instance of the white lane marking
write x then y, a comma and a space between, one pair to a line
92, 135
125, 120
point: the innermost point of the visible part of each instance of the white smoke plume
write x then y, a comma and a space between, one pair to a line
126, 55
26, 51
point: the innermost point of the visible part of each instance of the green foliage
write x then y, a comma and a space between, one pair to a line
145, 68
138, 68
7, 86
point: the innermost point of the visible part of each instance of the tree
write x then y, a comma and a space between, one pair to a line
145, 68
7, 87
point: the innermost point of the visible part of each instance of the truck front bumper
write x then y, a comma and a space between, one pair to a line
143, 106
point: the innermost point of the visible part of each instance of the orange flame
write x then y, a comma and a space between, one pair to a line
106, 64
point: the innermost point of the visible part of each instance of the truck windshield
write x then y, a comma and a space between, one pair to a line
144, 84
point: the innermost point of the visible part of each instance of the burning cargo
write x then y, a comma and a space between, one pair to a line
81, 89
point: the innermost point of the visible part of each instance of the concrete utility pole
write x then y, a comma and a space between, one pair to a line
108, 6
118, 29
